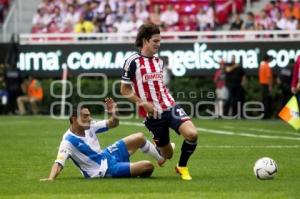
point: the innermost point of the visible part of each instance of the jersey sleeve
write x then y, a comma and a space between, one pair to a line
128, 72
99, 126
64, 153
161, 63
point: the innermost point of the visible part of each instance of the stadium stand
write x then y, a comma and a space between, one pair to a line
103, 14
64, 16
197, 18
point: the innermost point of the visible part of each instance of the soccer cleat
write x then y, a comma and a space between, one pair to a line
173, 145
183, 172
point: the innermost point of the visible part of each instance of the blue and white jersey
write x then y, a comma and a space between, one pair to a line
85, 151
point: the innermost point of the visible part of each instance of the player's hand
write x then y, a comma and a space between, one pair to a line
150, 109
110, 105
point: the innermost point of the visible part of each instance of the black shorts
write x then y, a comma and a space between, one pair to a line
159, 128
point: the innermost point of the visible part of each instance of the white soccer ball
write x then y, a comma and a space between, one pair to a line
265, 168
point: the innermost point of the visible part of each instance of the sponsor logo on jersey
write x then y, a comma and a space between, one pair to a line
153, 77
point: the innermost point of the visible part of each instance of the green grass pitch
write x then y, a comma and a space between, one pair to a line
221, 167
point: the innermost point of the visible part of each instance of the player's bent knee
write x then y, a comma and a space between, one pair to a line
192, 135
139, 136
148, 168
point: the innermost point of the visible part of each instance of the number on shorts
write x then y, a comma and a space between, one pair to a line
181, 112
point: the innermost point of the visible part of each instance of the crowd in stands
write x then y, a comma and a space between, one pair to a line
276, 15
66, 16
89, 16
4, 4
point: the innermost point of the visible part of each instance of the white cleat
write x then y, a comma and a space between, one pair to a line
173, 145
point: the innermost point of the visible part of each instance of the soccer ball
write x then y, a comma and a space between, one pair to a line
265, 168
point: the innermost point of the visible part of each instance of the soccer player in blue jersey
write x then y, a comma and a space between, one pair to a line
81, 145
142, 83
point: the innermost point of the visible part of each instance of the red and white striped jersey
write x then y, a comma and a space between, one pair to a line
146, 76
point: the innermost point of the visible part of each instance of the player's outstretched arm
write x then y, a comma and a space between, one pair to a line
112, 109
56, 169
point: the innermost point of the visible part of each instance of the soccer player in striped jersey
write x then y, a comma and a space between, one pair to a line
142, 83
81, 145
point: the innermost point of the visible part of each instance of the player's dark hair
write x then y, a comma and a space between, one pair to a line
145, 32
74, 112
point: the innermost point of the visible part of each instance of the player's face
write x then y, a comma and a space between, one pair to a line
153, 44
85, 118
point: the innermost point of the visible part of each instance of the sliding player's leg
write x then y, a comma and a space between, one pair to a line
142, 168
138, 141
118, 158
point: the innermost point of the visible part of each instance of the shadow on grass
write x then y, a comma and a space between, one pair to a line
170, 178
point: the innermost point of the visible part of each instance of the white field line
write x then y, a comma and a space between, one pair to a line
222, 132
132, 123
264, 130
247, 134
